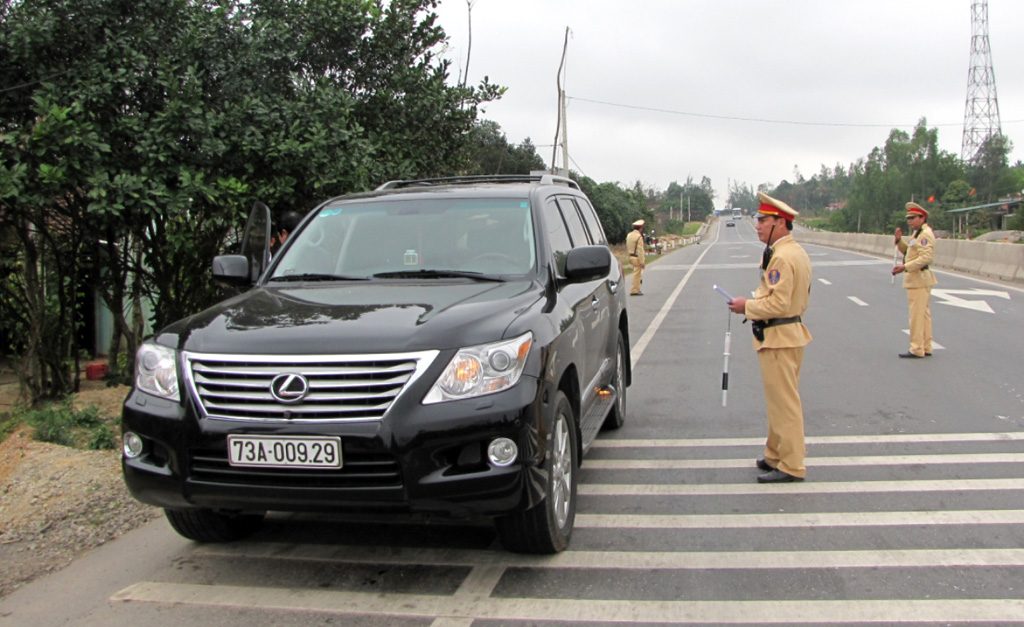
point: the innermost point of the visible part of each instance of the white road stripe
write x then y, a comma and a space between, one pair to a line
890, 438
858, 301
818, 462
935, 345
827, 487
629, 560
825, 281
748, 266
638, 349
571, 610
806, 520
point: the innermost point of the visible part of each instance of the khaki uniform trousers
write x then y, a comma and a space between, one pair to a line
919, 299
638, 271
780, 373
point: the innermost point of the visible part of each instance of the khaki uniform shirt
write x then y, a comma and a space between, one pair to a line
635, 245
783, 293
919, 251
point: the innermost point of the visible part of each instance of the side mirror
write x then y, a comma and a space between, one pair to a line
232, 270
587, 263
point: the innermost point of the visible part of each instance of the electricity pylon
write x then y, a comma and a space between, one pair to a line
981, 112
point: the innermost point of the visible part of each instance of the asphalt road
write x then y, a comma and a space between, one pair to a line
912, 512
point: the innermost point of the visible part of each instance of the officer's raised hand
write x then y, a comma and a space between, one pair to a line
899, 235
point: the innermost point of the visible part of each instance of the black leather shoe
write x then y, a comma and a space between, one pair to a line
910, 356
637, 294
763, 465
777, 476
927, 354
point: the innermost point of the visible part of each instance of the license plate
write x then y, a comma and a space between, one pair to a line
284, 451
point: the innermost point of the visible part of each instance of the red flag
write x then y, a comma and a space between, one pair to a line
972, 192
931, 198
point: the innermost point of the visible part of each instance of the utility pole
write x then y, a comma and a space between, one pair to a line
560, 128
981, 111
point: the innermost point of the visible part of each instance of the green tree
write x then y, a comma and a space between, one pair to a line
489, 152
135, 135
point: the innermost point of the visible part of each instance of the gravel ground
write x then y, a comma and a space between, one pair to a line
57, 503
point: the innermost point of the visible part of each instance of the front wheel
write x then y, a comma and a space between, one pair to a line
205, 525
547, 527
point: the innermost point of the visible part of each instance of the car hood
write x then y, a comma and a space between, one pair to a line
355, 318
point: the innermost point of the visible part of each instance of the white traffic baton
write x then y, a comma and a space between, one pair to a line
725, 365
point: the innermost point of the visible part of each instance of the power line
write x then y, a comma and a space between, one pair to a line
763, 120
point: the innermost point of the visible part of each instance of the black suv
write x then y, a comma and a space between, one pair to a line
443, 346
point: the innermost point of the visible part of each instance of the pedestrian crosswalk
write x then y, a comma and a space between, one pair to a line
677, 532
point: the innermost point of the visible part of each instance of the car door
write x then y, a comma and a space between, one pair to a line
594, 317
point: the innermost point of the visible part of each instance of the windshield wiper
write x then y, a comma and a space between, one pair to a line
317, 276
438, 274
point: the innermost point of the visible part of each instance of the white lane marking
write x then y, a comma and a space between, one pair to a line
817, 487
825, 281
642, 560
949, 297
935, 345
858, 301
800, 520
652, 328
747, 266
890, 438
481, 581
571, 610
822, 462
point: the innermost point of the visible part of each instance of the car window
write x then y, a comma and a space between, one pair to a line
573, 222
558, 234
489, 236
591, 221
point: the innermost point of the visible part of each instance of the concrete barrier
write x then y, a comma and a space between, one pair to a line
999, 260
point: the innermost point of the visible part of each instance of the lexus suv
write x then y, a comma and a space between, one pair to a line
447, 347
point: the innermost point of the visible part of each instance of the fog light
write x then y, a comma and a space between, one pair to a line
502, 452
132, 445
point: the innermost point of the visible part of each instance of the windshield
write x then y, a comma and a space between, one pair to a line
410, 238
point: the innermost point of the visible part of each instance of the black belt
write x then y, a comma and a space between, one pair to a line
634, 255
774, 322
758, 326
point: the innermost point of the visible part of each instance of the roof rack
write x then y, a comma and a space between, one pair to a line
541, 179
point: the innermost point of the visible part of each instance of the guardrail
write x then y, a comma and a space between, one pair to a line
998, 260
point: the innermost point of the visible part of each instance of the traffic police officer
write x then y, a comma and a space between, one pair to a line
918, 279
635, 250
776, 312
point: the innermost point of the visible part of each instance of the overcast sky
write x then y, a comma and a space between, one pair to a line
741, 90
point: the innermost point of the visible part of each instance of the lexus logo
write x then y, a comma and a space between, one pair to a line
289, 388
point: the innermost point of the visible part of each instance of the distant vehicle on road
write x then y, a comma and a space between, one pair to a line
730, 223
737, 214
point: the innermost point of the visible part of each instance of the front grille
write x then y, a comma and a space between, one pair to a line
337, 388
360, 470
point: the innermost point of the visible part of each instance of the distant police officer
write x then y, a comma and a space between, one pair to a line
918, 279
635, 250
779, 338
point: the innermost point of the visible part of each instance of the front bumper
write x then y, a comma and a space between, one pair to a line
418, 458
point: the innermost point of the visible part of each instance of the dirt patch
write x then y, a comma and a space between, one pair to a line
57, 503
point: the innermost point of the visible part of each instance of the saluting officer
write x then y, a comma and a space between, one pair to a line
776, 312
918, 279
637, 256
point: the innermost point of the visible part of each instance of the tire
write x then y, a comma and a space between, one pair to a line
617, 416
547, 527
205, 525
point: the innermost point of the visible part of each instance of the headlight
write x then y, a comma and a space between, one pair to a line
480, 370
156, 372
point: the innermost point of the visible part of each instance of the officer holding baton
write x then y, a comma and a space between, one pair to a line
776, 312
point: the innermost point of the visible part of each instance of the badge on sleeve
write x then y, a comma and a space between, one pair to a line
773, 276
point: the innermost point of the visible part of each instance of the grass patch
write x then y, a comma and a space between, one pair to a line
62, 423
